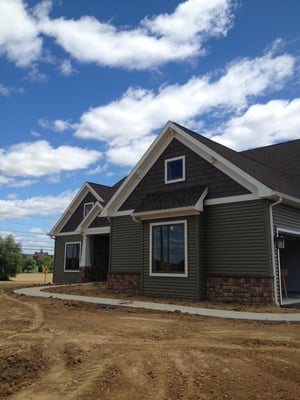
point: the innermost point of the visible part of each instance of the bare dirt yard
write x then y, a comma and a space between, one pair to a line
52, 350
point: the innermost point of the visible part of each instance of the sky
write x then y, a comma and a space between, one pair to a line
86, 86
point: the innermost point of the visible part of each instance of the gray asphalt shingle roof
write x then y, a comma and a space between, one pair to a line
276, 166
171, 199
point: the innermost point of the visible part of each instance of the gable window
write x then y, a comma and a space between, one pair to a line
87, 208
168, 249
72, 255
175, 169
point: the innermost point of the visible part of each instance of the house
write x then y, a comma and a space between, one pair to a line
194, 220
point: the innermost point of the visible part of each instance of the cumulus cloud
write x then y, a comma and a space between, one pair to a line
165, 38
39, 205
277, 120
19, 34
39, 158
127, 124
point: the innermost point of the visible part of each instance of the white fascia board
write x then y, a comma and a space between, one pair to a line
237, 174
90, 217
167, 213
94, 193
85, 189
70, 209
139, 171
231, 199
288, 200
97, 231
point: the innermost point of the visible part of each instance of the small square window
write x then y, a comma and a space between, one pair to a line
175, 170
87, 208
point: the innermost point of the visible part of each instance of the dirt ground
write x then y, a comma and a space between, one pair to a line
52, 350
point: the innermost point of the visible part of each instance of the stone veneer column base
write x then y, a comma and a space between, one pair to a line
85, 274
243, 290
128, 283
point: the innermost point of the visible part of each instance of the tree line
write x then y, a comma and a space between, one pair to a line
12, 261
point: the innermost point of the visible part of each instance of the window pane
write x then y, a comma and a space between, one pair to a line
72, 256
174, 170
168, 253
177, 248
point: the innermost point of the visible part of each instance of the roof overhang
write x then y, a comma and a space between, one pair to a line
169, 132
85, 189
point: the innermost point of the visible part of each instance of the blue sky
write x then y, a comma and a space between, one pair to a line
85, 86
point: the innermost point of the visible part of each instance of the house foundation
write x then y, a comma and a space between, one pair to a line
243, 290
124, 282
85, 274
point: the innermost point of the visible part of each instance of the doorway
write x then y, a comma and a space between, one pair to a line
101, 258
289, 261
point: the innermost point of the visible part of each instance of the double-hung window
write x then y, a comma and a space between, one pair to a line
168, 249
72, 256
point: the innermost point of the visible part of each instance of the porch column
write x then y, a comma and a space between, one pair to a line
85, 260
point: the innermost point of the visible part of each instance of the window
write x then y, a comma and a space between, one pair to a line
175, 169
87, 208
168, 249
72, 255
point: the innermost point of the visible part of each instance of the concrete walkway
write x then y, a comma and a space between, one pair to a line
111, 303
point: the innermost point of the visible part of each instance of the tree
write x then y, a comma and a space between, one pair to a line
46, 262
10, 257
29, 264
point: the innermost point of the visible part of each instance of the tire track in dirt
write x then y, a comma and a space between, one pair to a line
37, 320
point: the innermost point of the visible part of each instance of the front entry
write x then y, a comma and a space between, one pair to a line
101, 258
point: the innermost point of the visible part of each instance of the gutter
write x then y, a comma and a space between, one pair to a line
273, 247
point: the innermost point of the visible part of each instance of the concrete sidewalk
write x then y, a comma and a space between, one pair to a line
107, 302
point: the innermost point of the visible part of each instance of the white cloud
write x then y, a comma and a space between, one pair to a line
8, 90
127, 124
66, 68
39, 158
19, 40
263, 124
156, 41
39, 205
58, 125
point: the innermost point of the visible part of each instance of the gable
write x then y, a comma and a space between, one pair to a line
77, 216
198, 173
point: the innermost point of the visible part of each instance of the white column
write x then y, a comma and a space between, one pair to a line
85, 260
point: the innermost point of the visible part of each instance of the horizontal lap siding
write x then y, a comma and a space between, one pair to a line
126, 242
175, 286
286, 217
237, 239
59, 275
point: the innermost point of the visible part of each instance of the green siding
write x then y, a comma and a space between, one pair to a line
191, 287
237, 239
286, 217
59, 275
126, 245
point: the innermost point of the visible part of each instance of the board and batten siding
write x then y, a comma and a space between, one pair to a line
59, 275
191, 287
125, 245
237, 239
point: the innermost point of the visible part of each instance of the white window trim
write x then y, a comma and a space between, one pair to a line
71, 270
183, 169
84, 207
178, 275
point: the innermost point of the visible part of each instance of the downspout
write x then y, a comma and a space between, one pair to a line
273, 247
